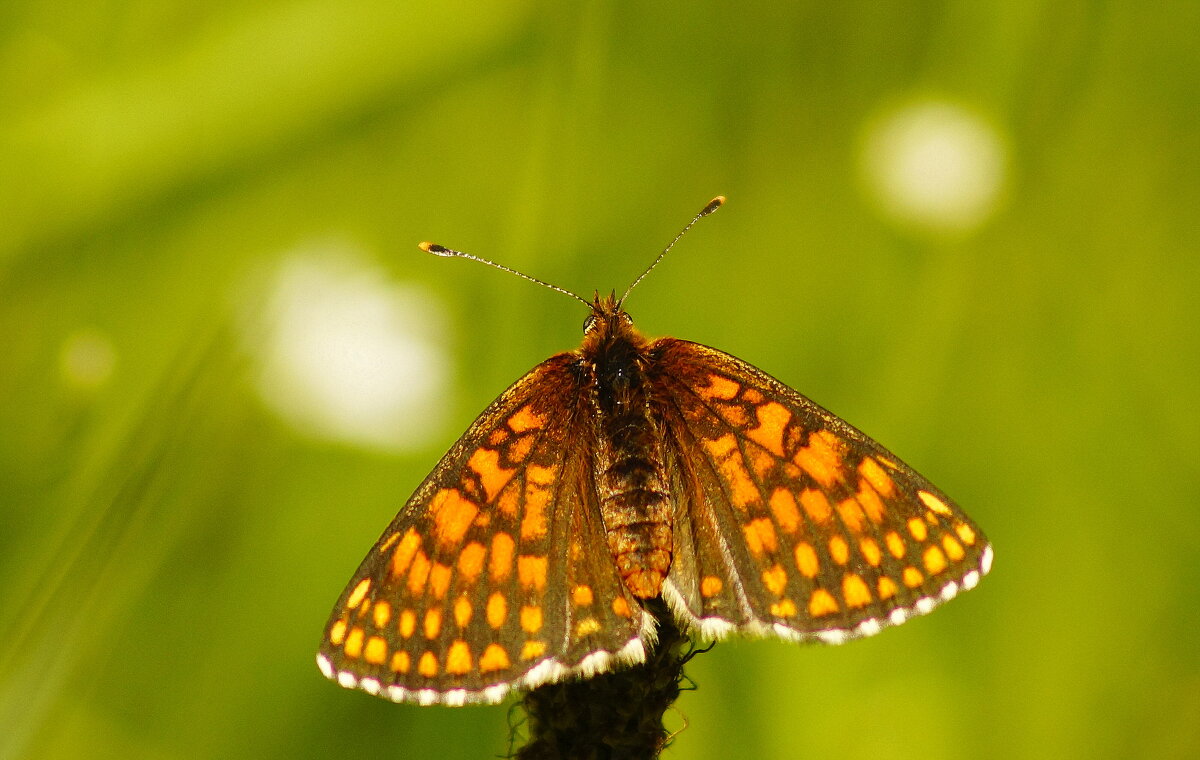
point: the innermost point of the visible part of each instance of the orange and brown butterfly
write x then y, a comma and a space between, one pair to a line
624, 471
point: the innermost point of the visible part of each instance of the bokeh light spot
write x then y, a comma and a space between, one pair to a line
347, 354
86, 359
935, 165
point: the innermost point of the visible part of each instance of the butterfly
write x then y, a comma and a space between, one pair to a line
626, 471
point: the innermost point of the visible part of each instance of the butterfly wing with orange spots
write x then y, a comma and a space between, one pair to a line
791, 522
482, 582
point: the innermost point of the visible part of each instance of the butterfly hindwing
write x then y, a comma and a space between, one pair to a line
792, 522
484, 580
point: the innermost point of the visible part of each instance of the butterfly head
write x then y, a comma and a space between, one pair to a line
608, 323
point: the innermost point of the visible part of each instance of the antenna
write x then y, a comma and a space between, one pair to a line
440, 250
712, 206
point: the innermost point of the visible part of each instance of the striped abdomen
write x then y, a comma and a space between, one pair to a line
628, 472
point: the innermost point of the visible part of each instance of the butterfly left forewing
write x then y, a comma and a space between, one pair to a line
791, 522
483, 581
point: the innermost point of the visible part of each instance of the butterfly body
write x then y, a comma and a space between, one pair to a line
627, 439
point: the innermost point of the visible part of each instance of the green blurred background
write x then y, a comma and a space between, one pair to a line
968, 227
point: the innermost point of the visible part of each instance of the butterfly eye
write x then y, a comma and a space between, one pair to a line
589, 323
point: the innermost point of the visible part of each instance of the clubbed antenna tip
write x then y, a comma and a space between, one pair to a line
712, 206
441, 250
435, 249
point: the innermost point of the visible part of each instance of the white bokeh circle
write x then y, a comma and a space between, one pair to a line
345, 353
935, 165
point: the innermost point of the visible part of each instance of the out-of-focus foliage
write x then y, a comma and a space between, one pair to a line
969, 228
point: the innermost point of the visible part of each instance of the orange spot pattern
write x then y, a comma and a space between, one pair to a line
337, 633
872, 473
439, 580
404, 552
458, 658
775, 579
358, 593
806, 560
620, 606
870, 502
400, 662
711, 586
965, 533
532, 650
816, 506
497, 610
524, 420
851, 514
821, 458
772, 419
500, 562
870, 552
452, 516
953, 548
887, 588
531, 572
933, 502
418, 572
375, 651
783, 507
720, 388
839, 550
486, 464
916, 527
428, 665
433, 622
462, 612
354, 643
760, 536
408, 623
822, 603
581, 595
470, 561
382, 613
531, 618
783, 608
494, 658
855, 591
934, 559
724, 451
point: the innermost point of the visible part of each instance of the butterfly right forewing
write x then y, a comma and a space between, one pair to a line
791, 522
